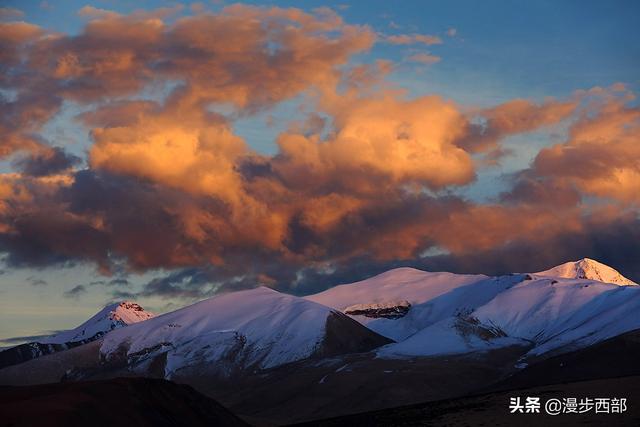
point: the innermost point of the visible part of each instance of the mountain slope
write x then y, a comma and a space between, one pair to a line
492, 409
554, 315
587, 268
123, 401
413, 285
258, 328
612, 358
431, 296
564, 313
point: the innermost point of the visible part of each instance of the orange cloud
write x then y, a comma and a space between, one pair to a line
369, 173
513, 117
21, 117
407, 39
424, 58
378, 142
601, 156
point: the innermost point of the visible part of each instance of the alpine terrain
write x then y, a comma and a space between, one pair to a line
405, 336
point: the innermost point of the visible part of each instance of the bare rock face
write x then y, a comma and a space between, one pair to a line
343, 335
387, 310
468, 326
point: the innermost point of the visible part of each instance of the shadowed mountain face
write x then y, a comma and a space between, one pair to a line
136, 402
615, 357
493, 409
606, 369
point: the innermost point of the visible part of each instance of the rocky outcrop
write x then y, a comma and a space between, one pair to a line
388, 310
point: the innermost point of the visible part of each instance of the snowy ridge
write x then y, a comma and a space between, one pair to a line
425, 313
433, 297
547, 314
587, 268
554, 313
258, 327
410, 284
111, 317
461, 313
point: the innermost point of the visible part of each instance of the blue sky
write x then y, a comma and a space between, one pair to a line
503, 49
492, 52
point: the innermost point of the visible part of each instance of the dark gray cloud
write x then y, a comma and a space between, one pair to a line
118, 281
138, 226
613, 243
186, 283
36, 281
51, 161
118, 295
76, 292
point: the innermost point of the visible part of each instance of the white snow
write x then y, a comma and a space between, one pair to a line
443, 338
587, 268
449, 314
254, 327
433, 297
111, 317
410, 284
545, 310
552, 314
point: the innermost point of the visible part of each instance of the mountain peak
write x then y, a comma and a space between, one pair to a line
127, 311
587, 268
113, 316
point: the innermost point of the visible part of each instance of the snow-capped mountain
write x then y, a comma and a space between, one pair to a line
401, 313
451, 313
544, 313
257, 328
111, 317
587, 268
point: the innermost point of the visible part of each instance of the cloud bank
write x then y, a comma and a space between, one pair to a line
368, 181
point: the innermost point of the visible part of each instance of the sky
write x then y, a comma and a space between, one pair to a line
164, 152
